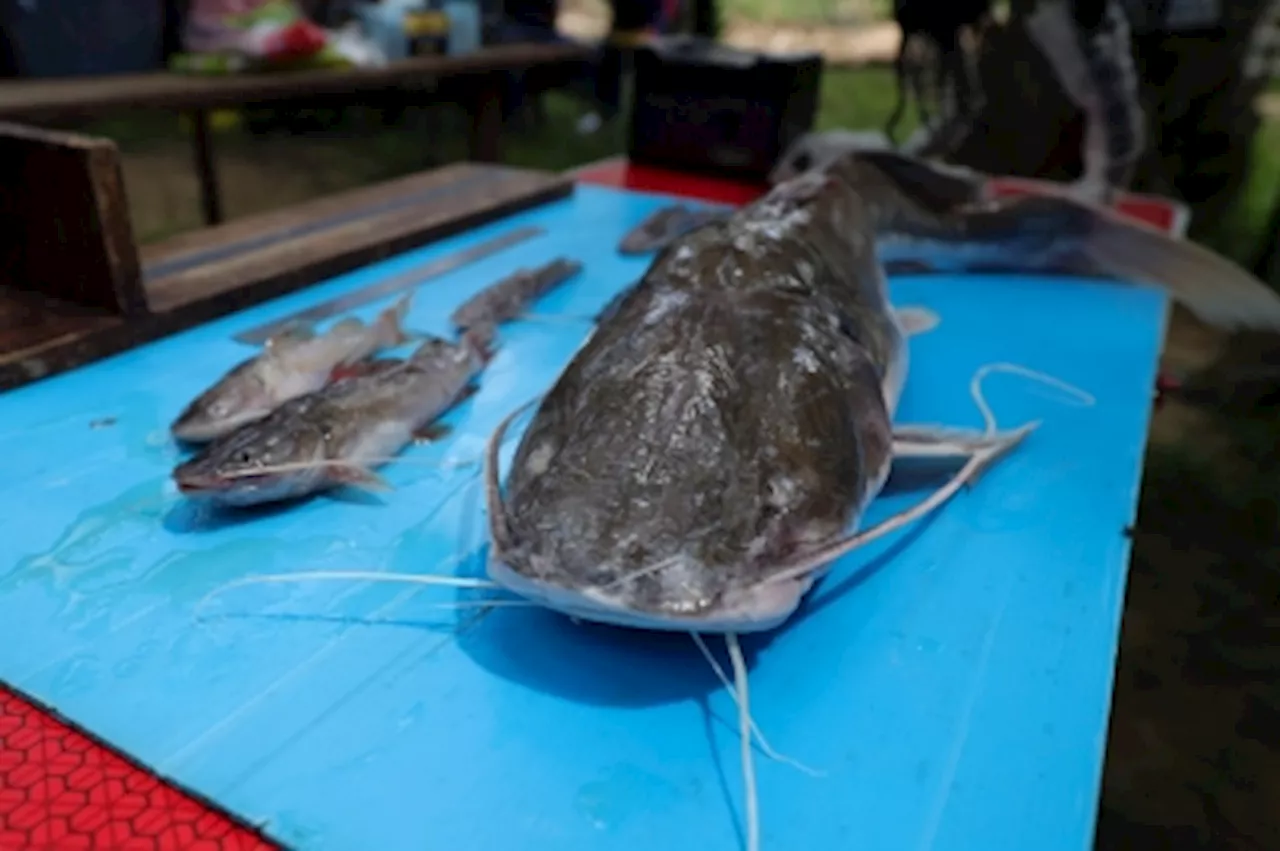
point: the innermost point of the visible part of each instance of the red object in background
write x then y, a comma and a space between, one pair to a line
299, 40
61, 790
621, 174
1166, 385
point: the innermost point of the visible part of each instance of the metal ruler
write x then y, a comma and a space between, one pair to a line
404, 281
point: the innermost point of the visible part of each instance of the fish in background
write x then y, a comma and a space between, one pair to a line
336, 435
510, 297
293, 363
665, 225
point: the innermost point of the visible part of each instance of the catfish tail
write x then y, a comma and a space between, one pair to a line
933, 209
1218, 291
1087, 239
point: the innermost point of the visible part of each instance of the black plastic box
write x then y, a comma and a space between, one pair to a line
702, 106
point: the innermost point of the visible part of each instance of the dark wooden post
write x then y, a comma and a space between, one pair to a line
65, 231
485, 104
206, 168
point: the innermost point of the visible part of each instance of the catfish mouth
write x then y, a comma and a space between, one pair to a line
195, 483
757, 608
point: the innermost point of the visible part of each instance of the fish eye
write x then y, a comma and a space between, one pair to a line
243, 456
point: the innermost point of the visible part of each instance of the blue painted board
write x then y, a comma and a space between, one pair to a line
951, 682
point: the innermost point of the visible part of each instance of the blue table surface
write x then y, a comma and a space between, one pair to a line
951, 683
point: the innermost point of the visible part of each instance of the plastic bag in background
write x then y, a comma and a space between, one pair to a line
260, 31
383, 23
1097, 72
353, 44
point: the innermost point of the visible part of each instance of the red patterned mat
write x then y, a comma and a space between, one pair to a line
61, 790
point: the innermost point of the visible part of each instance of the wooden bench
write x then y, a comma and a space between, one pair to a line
77, 287
473, 81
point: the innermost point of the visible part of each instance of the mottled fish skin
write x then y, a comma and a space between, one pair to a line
650, 483
664, 226
335, 435
292, 364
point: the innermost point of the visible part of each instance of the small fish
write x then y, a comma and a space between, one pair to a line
337, 434
665, 225
293, 363
508, 298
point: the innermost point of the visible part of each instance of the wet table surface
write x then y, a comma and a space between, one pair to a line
951, 683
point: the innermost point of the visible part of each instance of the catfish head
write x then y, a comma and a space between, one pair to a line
258, 463
241, 397
678, 461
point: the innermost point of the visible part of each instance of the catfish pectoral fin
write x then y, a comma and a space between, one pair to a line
359, 477
432, 432
979, 449
916, 320
925, 452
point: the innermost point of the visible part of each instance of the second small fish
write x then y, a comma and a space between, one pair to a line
336, 435
293, 363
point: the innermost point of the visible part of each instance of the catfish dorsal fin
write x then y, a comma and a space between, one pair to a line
391, 322
296, 331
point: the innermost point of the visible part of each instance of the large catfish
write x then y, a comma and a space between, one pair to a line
716, 440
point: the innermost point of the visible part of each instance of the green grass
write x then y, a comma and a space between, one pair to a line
859, 99
1240, 233
808, 11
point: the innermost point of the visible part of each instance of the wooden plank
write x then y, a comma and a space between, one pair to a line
311, 248
392, 285
43, 99
64, 222
41, 336
201, 245
226, 268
